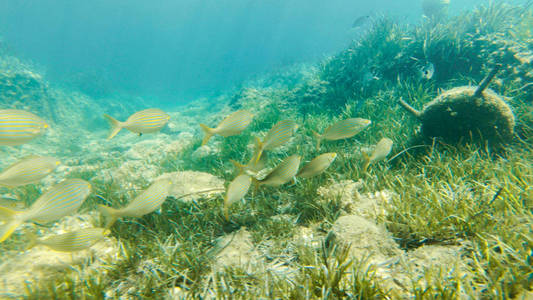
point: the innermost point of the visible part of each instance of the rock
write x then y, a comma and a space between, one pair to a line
447, 260
366, 238
372, 206
236, 249
41, 264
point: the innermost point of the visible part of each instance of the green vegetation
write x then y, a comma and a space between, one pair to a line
466, 194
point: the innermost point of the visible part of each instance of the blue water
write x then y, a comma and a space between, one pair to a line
176, 50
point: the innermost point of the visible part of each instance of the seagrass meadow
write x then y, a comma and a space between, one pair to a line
436, 219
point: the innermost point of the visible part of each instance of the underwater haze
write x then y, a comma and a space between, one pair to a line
174, 51
266, 149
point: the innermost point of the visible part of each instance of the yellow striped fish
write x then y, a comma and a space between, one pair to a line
253, 166
232, 125
318, 165
283, 173
28, 170
18, 127
382, 149
145, 203
277, 136
71, 241
342, 130
62, 199
145, 121
237, 189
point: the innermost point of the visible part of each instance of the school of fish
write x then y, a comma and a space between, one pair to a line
18, 127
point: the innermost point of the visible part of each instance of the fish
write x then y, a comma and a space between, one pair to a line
146, 202
426, 71
435, 8
62, 199
236, 190
382, 149
18, 127
360, 21
253, 166
28, 170
232, 125
145, 121
316, 166
283, 173
342, 130
70, 241
277, 136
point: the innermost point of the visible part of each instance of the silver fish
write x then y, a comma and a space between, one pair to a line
382, 149
277, 136
237, 189
342, 130
232, 125
71, 241
283, 173
28, 170
426, 71
18, 127
145, 203
316, 166
360, 21
145, 121
62, 199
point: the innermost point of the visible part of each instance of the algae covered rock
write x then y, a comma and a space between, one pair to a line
467, 112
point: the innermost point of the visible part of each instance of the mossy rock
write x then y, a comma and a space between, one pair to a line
457, 113
467, 113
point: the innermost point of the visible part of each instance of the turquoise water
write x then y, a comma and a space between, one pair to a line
174, 51
266, 149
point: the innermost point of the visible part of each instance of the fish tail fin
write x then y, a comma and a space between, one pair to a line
208, 133
7, 229
33, 240
239, 166
116, 126
110, 214
318, 138
367, 161
259, 150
